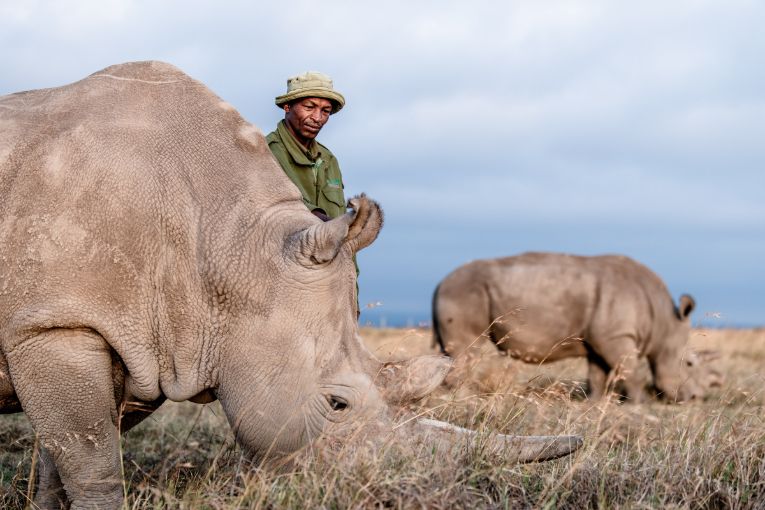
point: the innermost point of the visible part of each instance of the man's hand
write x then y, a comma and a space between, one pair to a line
321, 214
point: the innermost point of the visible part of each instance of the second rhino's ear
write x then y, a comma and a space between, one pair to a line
686, 306
321, 242
409, 380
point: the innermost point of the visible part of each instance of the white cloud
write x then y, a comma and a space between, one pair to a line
569, 111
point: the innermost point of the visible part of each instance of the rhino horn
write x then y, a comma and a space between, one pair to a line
512, 448
358, 228
715, 378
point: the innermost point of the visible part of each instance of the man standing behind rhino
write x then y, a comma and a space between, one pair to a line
307, 105
309, 101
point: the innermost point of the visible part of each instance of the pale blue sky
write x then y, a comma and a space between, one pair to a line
484, 128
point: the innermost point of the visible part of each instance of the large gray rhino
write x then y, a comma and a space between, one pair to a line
541, 307
151, 248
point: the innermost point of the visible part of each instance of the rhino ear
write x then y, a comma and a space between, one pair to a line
320, 243
686, 306
367, 222
409, 380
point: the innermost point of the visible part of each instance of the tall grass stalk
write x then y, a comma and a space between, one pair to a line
703, 455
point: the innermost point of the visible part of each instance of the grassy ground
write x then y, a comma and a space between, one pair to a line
708, 454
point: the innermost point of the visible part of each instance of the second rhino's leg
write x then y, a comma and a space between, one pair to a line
466, 354
65, 386
597, 375
622, 355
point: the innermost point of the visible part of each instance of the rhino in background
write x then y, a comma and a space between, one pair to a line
540, 307
151, 248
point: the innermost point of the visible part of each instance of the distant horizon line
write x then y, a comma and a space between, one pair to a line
427, 325
402, 320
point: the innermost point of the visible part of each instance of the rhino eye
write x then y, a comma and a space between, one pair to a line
337, 403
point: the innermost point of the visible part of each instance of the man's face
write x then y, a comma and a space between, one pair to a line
305, 117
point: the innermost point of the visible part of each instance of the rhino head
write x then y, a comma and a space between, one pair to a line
301, 373
682, 375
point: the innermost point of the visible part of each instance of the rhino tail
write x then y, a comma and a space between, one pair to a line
438, 340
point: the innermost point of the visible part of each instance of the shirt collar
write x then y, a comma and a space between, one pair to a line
300, 154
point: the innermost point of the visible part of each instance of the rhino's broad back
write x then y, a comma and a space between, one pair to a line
124, 197
544, 298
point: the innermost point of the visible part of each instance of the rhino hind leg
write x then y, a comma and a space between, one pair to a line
64, 382
464, 344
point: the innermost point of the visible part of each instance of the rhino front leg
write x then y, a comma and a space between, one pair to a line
597, 375
621, 354
63, 378
50, 490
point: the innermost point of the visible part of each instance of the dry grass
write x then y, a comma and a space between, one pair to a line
707, 454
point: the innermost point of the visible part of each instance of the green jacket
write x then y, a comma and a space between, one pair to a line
314, 171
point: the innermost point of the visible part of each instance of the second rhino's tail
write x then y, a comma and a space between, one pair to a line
438, 340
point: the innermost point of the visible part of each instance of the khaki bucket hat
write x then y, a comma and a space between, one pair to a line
311, 84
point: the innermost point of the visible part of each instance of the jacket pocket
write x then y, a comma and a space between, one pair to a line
334, 195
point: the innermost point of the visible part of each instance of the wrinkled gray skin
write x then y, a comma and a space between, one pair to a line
150, 249
540, 307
